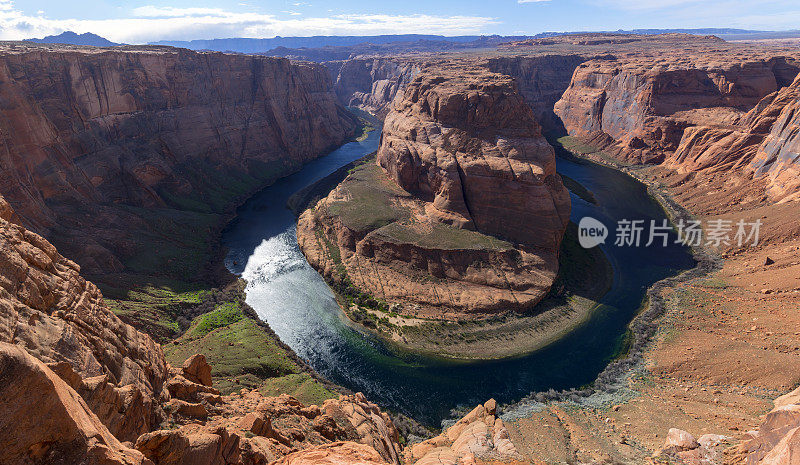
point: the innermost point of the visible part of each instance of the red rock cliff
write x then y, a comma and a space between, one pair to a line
96, 145
644, 105
471, 147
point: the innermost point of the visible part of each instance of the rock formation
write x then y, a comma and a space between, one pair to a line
338, 453
645, 109
541, 81
479, 434
100, 146
722, 110
777, 156
60, 318
436, 229
43, 420
776, 442
372, 83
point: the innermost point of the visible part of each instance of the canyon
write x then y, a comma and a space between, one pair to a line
130, 160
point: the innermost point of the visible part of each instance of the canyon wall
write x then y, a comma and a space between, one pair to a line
541, 81
722, 114
644, 106
371, 83
778, 156
100, 147
434, 228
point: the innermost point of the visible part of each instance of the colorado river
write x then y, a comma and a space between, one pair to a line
292, 297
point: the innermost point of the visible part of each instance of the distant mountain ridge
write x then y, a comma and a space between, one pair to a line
247, 45
69, 37
278, 45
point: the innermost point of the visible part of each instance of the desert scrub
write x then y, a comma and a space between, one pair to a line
223, 315
300, 386
441, 236
371, 203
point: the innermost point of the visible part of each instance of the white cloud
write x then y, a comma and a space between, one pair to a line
150, 11
151, 23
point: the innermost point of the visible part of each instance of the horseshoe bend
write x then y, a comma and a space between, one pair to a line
366, 250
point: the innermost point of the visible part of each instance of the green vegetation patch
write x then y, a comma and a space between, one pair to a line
300, 386
241, 350
444, 237
156, 306
225, 314
371, 203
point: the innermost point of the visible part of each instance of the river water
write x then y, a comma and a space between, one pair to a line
292, 297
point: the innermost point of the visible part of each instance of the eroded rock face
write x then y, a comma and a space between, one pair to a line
478, 435
709, 112
778, 155
466, 212
372, 83
47, 308
97, 143
470, 146
645, 109
44, 420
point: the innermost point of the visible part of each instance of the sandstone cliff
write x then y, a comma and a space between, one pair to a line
372, 83
719, 111
778, 156
99, 147
644, 107
541, 81
435, 228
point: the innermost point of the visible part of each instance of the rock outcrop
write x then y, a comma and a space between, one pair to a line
682, 446
465, 212
777, 441
338, 453
478, 435
47, 308
43, 420
100, 146
249, 428
463, 142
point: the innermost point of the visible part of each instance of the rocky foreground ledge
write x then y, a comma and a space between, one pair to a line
460, 215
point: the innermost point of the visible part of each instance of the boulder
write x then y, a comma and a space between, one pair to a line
680, 440
191, 445
197, 370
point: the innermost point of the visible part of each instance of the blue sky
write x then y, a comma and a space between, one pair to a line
145, 21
